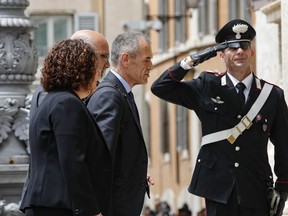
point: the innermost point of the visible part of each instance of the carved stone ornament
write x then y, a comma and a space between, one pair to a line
18, 55
18, 65
16, 118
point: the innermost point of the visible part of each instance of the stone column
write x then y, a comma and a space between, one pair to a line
18, 65
284, 43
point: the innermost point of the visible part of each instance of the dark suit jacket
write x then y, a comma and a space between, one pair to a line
38, 96
122, 132
70, 162
217, 170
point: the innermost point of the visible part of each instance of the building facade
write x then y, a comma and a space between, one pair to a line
177, 28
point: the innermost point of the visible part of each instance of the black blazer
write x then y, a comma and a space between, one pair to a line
123, 134
221, 166
70, 162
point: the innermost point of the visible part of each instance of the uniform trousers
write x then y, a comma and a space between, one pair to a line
232, 208
43, 211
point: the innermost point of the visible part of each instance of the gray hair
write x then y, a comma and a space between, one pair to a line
126, 42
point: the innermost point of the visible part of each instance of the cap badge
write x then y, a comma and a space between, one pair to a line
239, 28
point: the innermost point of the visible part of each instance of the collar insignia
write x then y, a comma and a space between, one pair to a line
223, 81
217, 100
239, 28
258, 83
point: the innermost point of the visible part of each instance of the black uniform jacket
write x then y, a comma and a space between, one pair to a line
220, 165
70, 162
122, 131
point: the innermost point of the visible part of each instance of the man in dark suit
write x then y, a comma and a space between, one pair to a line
232, 171
116, 113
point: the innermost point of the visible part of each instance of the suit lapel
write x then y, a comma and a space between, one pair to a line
110, 77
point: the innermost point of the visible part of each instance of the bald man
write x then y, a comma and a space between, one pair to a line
100, 45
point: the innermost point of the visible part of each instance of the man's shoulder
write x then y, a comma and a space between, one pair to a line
276, 89
108, 86
107, 91
270, 83
212, 75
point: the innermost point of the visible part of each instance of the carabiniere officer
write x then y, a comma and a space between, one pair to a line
239, 114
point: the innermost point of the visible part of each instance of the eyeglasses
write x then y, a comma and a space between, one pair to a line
236, 45
104, 57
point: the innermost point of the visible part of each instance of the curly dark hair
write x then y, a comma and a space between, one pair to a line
70, 64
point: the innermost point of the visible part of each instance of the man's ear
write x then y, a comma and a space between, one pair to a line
125, 59
222, 56
252, 52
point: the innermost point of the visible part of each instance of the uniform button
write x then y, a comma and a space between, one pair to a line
239, 116
236, 164
199, 160
237, 148
215, 108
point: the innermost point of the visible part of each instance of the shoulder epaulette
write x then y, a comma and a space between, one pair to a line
215, 73
270, 83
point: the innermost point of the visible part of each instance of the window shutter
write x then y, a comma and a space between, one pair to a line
86, 21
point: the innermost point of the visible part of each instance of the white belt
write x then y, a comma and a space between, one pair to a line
233, 133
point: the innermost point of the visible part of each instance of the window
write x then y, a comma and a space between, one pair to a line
239, 9
208, 17
164, 119
182, 128
146, 125
164, 33
51, 29
86, 21
180, 22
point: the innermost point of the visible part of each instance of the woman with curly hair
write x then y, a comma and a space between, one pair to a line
70, 170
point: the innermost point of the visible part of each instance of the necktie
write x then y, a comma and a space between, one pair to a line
241, 86
134, 106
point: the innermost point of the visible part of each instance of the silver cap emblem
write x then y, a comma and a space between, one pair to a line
239, 28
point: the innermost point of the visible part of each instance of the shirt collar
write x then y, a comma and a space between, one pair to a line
123, 81
247, 81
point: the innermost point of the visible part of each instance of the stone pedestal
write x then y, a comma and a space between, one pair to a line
18, 65
11, 182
